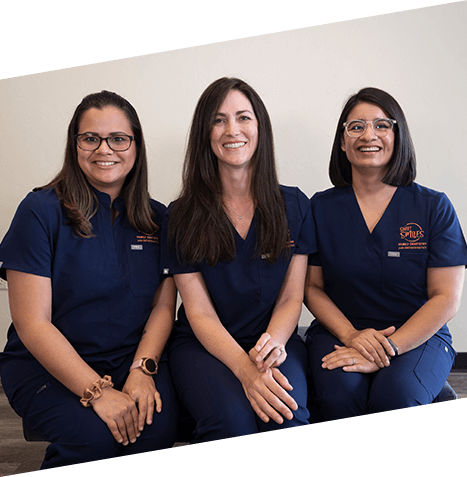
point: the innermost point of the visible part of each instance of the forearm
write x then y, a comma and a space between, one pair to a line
423, 324
444, 287
220, 343
327, 313
289, 303
47, 344
160, 323
284, 320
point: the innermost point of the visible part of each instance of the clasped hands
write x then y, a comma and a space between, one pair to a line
126, 412
265, 386
364, 351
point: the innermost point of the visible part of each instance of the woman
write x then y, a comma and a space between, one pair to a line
388, 274
237, 246
90, 314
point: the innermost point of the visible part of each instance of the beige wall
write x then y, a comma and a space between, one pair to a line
304, 76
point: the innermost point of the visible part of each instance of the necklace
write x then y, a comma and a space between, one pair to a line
240, 216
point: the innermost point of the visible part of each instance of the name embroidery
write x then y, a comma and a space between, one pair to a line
394, 254
136, 247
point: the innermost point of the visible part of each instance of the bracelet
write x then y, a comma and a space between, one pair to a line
394, 347
95, 392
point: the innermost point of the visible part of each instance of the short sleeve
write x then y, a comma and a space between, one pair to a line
26, 246
447, 246
307, 236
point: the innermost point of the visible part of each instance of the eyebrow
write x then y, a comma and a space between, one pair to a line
113, 133
237, 113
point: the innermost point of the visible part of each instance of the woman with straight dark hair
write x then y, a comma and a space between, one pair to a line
237, 246
91, 315
388, 274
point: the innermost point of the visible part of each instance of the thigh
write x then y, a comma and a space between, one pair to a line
334, 393
414, 378
211, 393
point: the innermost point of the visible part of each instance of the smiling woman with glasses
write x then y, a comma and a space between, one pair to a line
389, 272
84, 365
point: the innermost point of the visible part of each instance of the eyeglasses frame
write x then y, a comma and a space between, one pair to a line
132, 138
391, 121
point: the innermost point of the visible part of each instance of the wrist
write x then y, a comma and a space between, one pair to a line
94, 392
146, 365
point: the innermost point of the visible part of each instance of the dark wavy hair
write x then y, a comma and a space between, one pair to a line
199, 228
73, 189
402, 167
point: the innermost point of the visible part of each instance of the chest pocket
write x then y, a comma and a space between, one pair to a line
405, 274
143, 264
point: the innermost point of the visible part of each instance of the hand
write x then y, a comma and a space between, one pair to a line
119, 412
267, 393
372, 344
350, 360
267, 353
142, 389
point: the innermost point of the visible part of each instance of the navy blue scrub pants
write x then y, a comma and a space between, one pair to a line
76, 433
215, 398
413, 378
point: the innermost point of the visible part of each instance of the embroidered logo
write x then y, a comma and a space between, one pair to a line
136, 247
165, 271
412, 234
394, 254
147, 238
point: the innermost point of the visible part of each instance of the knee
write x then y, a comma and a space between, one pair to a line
389, 396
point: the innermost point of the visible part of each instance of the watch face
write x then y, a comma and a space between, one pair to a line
150, 365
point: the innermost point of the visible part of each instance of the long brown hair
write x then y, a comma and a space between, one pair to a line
199, 228
74, 190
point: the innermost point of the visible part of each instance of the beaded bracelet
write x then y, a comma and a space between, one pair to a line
95, 392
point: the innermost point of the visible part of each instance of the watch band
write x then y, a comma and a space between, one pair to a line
147, 365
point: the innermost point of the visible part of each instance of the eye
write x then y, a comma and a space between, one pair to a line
382, 124
89, 139
356, 126
245, 118
218, 120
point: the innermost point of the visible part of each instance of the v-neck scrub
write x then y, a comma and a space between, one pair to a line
102, 286
243, 292
378, 279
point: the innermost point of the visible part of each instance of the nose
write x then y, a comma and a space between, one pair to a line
231, 128
369, 133
104, 148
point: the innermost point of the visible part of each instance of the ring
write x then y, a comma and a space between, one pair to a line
353, 359
281, 349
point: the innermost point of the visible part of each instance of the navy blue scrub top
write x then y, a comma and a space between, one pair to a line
102, 287
379, 279
244, 291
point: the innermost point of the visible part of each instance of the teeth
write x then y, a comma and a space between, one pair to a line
105, 163
234, 145
369, 149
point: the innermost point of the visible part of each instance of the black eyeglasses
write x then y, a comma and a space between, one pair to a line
92, 142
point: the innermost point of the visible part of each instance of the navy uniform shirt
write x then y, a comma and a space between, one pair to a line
379, 279
102, 287
244, 291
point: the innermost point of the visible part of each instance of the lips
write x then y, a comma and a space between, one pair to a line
234, 145
369, 148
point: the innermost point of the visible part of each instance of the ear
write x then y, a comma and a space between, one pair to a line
342, 144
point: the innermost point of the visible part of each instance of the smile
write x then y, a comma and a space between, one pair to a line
234, 145
105, 163
369, 149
